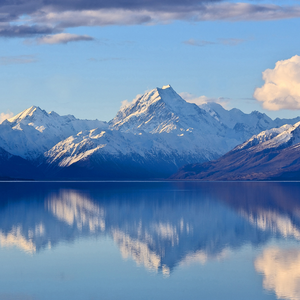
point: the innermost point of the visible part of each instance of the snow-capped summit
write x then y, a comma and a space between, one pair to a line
162, 110
41, 120
32, 112
33, 131
282, 137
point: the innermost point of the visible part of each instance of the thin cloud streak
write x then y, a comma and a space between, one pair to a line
20, 59
5, 116
203, 99
203, 43
198, 43
63, 38
231, 41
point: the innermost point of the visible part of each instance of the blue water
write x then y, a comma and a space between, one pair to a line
159, 240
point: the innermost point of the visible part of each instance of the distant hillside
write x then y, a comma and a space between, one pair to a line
271, 155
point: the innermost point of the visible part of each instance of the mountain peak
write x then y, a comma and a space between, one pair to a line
158, 110
33, 131
29, 112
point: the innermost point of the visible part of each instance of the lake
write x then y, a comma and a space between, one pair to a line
149, 240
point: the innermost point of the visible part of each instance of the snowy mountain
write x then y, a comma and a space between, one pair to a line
34, 131
112, 154
151, 137
184, 127
163, 110
272, 154
282, 137
244, 125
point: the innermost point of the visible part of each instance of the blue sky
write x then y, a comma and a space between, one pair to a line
89, 70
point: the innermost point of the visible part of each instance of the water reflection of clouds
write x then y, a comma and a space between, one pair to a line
281, 271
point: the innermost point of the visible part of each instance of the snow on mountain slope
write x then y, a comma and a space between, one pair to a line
157, 129
155, 134
272, 154
231, 118
287, 138
34, 131
284, 136
125, 154
152, 136
244, 125
163, 110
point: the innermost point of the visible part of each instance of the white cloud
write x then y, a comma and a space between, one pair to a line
63, 38
281, 270
282, 86
4, 116
203, 99
126, 103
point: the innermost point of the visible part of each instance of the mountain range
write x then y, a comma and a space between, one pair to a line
150, 138
271, 155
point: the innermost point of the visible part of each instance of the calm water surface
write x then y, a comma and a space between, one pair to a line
149, 241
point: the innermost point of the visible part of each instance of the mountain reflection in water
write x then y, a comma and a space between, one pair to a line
161, 225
